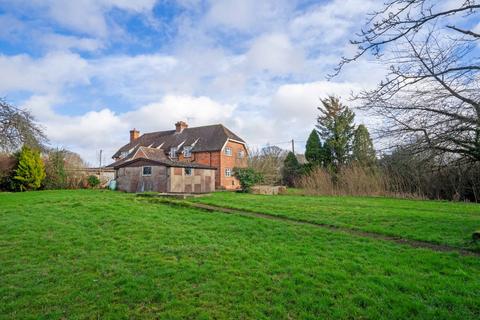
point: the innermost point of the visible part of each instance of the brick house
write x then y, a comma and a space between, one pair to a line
213, 146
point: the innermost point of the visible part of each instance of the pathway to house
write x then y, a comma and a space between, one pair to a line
372, 235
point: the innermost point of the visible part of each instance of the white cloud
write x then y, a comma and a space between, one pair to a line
330, 22
86, 16
58, 42
162, 115
275, 53
137, 78
47, 74
246, 15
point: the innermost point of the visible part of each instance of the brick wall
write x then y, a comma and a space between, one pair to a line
231, 162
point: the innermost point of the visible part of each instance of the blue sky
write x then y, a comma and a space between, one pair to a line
90, 70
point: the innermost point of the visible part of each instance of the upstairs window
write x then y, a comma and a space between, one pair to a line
187, 152
228, 172
241, 154
188, 171
173, 152
123, 154
228, 151
147, 171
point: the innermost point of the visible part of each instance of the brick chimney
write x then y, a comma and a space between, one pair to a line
134, 134
180, 125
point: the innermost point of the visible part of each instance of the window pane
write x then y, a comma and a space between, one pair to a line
147, 171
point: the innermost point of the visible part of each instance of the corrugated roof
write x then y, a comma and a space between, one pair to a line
206, 138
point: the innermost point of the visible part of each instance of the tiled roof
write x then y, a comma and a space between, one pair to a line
207, 138
141, 152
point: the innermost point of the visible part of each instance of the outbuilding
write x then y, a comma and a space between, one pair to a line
142, 174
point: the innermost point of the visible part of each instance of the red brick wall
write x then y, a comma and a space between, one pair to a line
231, 162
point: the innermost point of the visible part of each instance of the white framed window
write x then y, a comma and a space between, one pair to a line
123, 154
146, 171
188, 171
241, 154
228, 172
187, 152
228, 151
173, 152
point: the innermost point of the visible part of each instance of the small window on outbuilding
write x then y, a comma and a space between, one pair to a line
147, 171
188, 171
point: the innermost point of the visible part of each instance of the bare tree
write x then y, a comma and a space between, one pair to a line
431, 94
269, 162
18, 127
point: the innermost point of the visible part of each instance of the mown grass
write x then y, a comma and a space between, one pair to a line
98, 254
438, 222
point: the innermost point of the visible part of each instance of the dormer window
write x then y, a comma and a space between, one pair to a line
173, 152
123, 154
187, 152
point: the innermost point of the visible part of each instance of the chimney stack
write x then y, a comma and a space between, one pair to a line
134, 134
180, 125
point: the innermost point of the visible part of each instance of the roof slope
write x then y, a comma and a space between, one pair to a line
206, 138
141, 152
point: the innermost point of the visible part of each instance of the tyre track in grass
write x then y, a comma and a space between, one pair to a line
346, 230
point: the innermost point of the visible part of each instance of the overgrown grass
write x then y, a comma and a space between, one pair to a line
434, 221
93, 254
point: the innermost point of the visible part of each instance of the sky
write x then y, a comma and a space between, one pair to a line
91, 70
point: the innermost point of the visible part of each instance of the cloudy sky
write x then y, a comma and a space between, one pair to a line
90, 70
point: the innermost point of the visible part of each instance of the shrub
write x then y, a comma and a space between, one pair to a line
248, 177
7, 166
30, 171
93, 181
55, 169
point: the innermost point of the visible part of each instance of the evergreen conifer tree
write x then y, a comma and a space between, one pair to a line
30, 170
363, 151
291, 169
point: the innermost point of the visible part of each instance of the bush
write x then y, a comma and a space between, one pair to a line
248, 177
30, 171
7, 166
93, 181
55, 169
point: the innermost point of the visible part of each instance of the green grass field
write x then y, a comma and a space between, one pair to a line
433, 221
99, 254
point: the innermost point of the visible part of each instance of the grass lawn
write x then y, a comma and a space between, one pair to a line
433, 221
99, 254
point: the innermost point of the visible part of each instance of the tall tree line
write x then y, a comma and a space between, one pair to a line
336, 141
